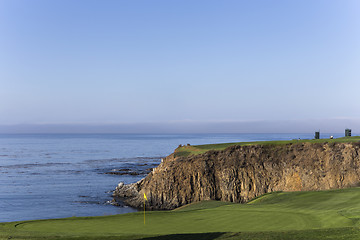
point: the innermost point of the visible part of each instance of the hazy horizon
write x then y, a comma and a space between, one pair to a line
188, 127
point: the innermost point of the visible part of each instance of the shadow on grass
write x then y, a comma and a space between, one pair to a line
190, 236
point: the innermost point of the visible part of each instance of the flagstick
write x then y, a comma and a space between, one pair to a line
144, 211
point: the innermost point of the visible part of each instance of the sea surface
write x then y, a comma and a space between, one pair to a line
63, 175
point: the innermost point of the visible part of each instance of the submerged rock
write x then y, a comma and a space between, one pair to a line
241, 173
127, 171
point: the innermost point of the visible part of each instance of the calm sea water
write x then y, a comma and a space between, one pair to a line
63, 175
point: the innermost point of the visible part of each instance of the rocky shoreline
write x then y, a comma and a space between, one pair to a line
241, 173
127, 171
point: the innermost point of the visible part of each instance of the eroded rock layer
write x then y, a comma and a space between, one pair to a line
241, 173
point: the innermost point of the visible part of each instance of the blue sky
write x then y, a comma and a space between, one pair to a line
135, 62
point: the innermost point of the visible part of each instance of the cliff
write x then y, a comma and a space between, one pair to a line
241, 173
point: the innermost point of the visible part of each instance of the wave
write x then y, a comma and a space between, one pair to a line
33, 165
125, 159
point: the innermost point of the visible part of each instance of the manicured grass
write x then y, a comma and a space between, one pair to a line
331, 214
198, 149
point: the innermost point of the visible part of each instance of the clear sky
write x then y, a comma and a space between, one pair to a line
163, 62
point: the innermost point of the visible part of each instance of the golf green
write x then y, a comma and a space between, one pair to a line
330, 214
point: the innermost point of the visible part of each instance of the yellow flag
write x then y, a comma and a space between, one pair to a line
145, 198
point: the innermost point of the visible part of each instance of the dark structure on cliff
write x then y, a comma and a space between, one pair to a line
317, 135
347, 132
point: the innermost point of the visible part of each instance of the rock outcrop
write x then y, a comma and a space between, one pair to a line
241, 173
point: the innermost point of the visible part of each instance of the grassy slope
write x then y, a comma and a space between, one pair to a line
198, 149
292, 215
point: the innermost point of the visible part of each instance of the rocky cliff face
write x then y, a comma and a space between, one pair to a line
240, 173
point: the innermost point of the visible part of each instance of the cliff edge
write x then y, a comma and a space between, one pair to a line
241, 173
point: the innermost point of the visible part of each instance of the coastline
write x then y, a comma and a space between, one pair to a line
239, 172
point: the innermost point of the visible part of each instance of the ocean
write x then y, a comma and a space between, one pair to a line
63, 175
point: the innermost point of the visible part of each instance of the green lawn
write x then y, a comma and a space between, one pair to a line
331, 214
198, 149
